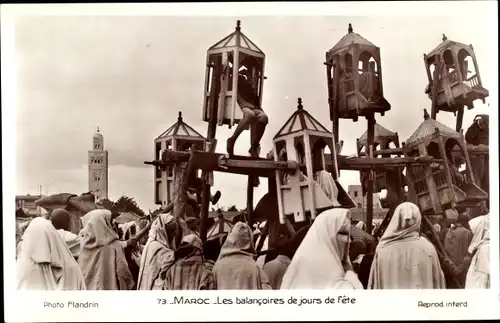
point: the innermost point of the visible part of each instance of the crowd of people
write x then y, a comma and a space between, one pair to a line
331, 253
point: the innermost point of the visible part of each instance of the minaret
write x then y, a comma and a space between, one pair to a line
98, 168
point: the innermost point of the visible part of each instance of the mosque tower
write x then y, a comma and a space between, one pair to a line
98, 168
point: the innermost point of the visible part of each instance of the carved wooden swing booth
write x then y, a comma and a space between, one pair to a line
178, 137
355, 89
454, 79
436, 188
303, 139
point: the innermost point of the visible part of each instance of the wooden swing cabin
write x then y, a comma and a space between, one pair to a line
355, 89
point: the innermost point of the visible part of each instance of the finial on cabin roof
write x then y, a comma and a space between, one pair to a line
444, 37
299, 106
350, 30
238, 24
97, 128
180, 116
426, 115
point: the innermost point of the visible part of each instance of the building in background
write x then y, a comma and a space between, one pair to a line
98, 168
26, 207
359, 213
356, 194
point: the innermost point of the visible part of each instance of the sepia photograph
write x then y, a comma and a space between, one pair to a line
197, 152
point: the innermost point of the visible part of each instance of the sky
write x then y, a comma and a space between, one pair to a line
130, 75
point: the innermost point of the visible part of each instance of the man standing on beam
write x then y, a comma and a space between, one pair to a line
253, 115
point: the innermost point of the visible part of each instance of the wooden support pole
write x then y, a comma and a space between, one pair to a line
369, 191
460, 118
434, 87
446, 262
263, 236
212, 127
180, 197
332, 74
431, 183
290, 228
250, 200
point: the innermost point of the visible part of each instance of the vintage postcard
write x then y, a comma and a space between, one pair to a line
289, 161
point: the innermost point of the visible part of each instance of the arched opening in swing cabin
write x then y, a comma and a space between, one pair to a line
433, 150
368, 70
467, 68
432, 69
448, 60
168, 146
283, 156
456, 160
391, 145
346, 77
249, 70
450, 68
301, 159
327, 156
301, 155
348, 66
319, 151
158, 152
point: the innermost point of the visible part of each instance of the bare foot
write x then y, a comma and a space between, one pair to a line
254, 151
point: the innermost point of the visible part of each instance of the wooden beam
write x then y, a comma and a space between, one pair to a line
472, 150
250, 182
434, 87
362, 163
262, 164
265, 168
179, 198
369, 189
460, 118
263, 236
390, 151
212, 127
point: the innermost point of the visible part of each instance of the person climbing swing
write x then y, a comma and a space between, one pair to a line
253, 115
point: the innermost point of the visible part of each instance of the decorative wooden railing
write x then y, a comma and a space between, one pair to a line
420, 182
421, 187
472, 81
440, 178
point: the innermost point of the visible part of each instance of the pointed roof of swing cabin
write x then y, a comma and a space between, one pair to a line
230, 41
351, 38
380, 132
181, 129
428, 127
445, 44
301, 120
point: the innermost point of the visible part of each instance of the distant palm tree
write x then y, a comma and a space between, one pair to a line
128, 204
